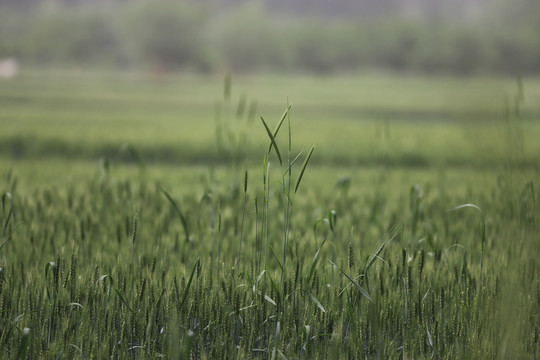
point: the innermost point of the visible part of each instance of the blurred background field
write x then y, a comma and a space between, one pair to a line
413, 83
443, 36
372, 120
128, 129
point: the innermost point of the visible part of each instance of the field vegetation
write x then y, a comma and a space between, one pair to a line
273, 217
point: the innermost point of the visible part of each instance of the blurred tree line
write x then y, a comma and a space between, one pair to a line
479, 36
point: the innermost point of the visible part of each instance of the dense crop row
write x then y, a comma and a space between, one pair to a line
121, 267
281, 259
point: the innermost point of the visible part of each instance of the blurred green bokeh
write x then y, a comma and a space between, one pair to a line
422, 36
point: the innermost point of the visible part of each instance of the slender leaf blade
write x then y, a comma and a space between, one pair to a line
316, 301
184, 297
124, 300
179, 212
272, 141
356, 285
306, 161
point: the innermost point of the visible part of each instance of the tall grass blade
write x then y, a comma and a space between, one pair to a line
124, 300
258, 279
266, 297
289, 123
134, 230
102, 279
275, 257
184, 297
272, 141
270, 300
354, 283
316, 301
389, 237
219, 245
332, 220
51, 265
179, 212
314, 261
278, 126
293, 161
243, 216
272, 283
4, 243
306, 161
6, 196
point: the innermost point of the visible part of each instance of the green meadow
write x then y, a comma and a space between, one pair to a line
363, 120
274, 217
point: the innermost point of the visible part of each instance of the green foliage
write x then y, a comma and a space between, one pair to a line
378, 270
384, 303
393, 121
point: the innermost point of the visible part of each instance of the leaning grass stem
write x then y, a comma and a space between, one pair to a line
243, 217
287, 212
265, 208
219, 246
9, 197
52, 296
133, 238
258, 239
287, 200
